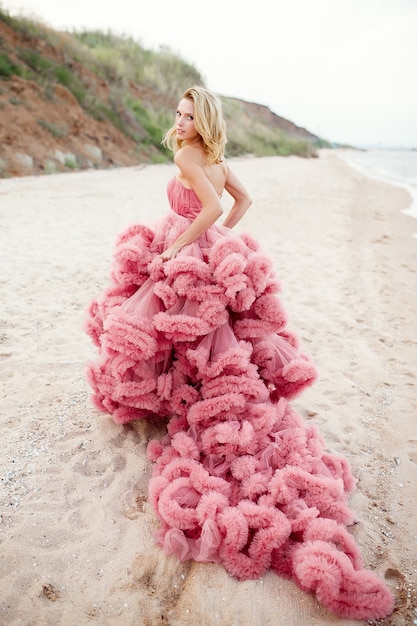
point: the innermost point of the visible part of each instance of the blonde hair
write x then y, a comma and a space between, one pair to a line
208, 122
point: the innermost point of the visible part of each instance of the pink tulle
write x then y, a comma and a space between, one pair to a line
240, 478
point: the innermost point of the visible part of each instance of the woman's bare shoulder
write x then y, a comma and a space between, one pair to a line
189, 154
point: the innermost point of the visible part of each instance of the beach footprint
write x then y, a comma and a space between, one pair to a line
4, 343
160, 583
134, 503
412, 450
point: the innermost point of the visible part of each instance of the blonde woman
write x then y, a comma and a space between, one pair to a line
198, 139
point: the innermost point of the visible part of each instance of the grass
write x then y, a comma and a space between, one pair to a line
122, 60
3, 170
35, 61
249, 134
111, 76
54, 129
7, 67
71, 81
71, 163
154, 122
29, 28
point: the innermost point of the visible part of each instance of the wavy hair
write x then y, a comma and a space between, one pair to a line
208, 122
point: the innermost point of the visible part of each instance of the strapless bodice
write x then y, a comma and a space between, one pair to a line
182, 200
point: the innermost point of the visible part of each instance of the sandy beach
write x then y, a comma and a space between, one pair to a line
76, 529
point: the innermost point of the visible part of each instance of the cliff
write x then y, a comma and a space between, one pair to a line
92, 100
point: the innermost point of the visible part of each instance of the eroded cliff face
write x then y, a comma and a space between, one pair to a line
43, 127
40, 134
57, 114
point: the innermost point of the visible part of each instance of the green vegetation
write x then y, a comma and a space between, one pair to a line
122, 61
7, 67
71, 81
155, 122
31, 29
71, 163
116, 79
248, 133
54, 129
35, 61
3, 173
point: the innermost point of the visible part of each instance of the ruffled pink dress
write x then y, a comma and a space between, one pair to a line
240, 478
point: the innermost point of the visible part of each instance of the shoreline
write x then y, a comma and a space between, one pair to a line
76, 527
410, 210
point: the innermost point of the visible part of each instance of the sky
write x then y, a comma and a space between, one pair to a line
344, 69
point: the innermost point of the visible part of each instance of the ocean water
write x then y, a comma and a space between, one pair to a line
397, 167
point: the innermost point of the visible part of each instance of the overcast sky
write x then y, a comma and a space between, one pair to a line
344, 69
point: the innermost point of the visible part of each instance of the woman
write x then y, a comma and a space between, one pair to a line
201, 164
192, 330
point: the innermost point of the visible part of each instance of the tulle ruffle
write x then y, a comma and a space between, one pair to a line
166, 319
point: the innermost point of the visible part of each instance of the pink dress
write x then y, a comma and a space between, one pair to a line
240, 478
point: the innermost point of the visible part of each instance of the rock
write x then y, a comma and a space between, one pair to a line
50, 167
94, 151
66, 158
70, 160
24, 159
60, 156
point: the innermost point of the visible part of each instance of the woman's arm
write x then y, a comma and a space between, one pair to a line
242, 200
211, 207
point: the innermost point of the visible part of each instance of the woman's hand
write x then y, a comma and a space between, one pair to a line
170, 252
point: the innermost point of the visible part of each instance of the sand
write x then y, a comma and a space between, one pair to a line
76, 529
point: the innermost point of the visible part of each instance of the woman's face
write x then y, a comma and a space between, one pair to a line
184, 125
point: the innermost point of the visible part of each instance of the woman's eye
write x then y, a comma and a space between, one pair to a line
188, 117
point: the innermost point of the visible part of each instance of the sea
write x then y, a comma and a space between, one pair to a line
397, 167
